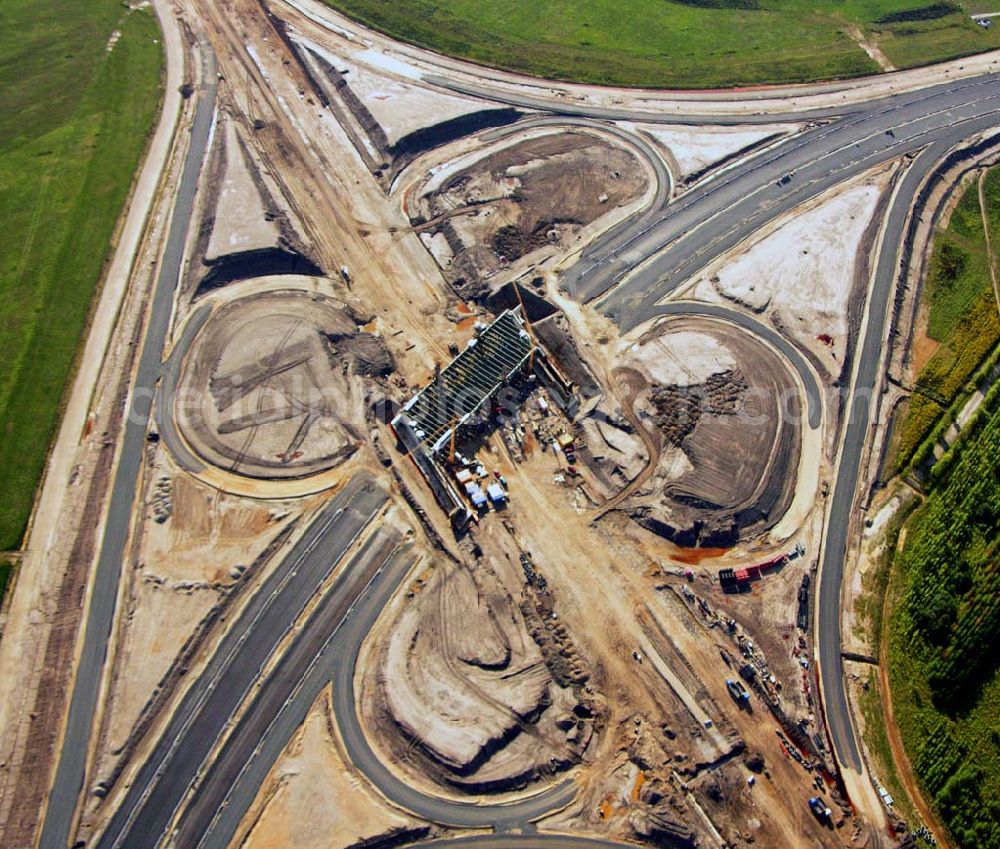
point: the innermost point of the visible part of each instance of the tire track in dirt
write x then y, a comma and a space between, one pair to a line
635, 383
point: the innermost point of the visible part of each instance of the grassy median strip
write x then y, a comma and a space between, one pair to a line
681, 43
79, 94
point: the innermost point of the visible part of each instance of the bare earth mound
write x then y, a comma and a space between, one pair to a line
463, 687
267, 391
521, 198
723, 410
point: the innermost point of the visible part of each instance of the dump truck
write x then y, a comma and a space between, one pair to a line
738, 692
819, 808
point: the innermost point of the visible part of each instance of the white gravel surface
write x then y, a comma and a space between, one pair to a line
803, 270
241, 222
695, 148
681, 358
385, 86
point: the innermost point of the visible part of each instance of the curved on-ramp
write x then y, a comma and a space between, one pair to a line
651, 256
521, 841
335, 660
831, 573
433, 808
639, 266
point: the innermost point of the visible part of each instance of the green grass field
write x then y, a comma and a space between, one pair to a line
980, 7
681, 43
74, 118
962, 313
944, 636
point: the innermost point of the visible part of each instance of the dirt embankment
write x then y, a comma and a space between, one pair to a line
289, 405
521, 198
246, 228
479, 688
718, 415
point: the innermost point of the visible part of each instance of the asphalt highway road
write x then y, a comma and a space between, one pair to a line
244, 789
166, 423
280, 707
635, 270
637, 265
432, 808
660, 282
198, 721
68, 781
333, 640
564, 107
608, 113
835, 705
631, 269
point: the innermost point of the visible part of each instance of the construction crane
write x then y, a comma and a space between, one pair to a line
534, 339
524, 312
451, 441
